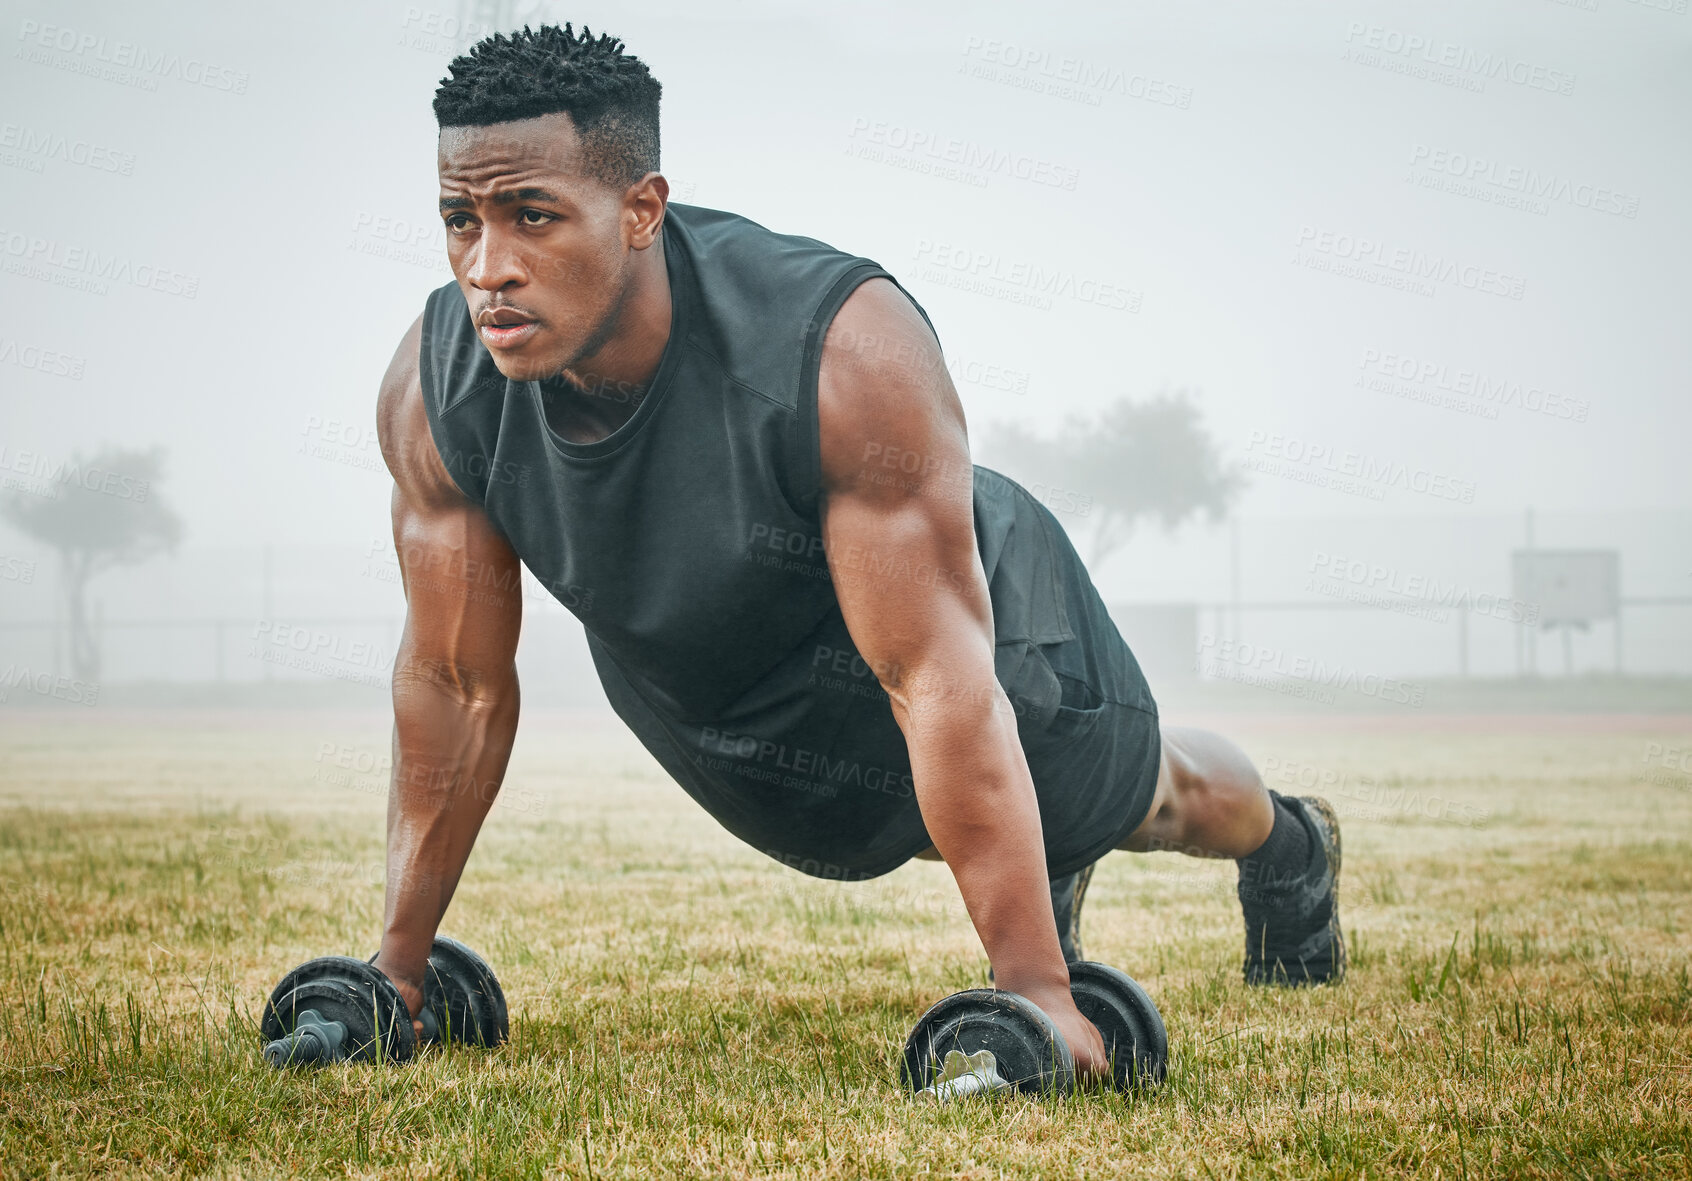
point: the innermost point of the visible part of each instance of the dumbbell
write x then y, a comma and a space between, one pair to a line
1028, 1052
340, 1009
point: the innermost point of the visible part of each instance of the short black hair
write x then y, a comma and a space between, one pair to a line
610, 96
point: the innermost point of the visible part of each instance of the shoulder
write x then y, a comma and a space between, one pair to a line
885, 402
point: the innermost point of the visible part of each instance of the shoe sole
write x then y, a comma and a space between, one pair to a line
1332, 845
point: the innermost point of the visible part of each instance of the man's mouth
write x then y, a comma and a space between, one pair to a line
505, 327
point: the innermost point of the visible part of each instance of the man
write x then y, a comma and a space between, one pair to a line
737, 457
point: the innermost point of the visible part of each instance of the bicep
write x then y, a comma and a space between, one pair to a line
898, 517
462, 580
463, 594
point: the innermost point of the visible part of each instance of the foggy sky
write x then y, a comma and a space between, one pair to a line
1223, 153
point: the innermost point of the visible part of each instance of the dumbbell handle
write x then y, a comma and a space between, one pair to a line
312, 1041
965, 1074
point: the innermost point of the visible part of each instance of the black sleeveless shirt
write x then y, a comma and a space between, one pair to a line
689, 544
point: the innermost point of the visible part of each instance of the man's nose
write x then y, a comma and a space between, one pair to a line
494, 262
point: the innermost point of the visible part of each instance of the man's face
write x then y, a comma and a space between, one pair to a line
542, 252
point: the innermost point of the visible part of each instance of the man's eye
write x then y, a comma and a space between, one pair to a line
456, 222
543, 218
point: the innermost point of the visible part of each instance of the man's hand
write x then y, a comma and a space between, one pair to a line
1081, 1035
411, 993
898, 529
455, 676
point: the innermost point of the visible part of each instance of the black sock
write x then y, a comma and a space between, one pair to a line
1284, 857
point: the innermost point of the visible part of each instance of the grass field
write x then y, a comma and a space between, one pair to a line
1517, 897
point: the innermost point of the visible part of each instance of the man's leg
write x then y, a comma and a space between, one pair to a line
1211, 802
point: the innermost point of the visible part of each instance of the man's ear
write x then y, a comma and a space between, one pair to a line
644, 203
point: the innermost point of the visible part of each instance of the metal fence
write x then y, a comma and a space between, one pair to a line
1291, 595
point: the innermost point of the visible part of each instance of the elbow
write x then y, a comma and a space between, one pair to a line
946, 698
478, 691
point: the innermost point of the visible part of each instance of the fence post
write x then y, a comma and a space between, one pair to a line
269, 617
1462, 642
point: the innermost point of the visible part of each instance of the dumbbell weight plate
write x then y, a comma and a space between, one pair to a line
1029, 1051
466, 999
1136, 1041
341, 988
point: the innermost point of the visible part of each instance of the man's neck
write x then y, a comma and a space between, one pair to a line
592, 398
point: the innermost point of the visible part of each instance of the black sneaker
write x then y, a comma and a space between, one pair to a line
1292, 924
1067, 893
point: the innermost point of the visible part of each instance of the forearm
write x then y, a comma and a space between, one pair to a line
979, 806
450, 755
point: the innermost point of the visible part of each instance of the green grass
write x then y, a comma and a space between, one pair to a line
1518, 1003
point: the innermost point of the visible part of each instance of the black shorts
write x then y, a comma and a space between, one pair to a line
1090, 727
1095, 774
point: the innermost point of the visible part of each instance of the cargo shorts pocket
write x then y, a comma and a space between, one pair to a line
1028, 681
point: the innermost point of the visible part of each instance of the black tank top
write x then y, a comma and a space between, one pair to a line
688, 543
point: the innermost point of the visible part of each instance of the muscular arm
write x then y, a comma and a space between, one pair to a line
455, 676
899, 533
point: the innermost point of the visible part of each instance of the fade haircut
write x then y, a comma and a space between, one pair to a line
610, 96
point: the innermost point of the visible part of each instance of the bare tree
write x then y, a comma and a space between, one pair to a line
99, 512
1135, 459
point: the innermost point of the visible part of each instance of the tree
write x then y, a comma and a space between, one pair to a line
1135, 459
98, 513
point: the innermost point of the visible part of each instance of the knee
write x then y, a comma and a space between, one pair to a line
1165, 822
1203, 782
